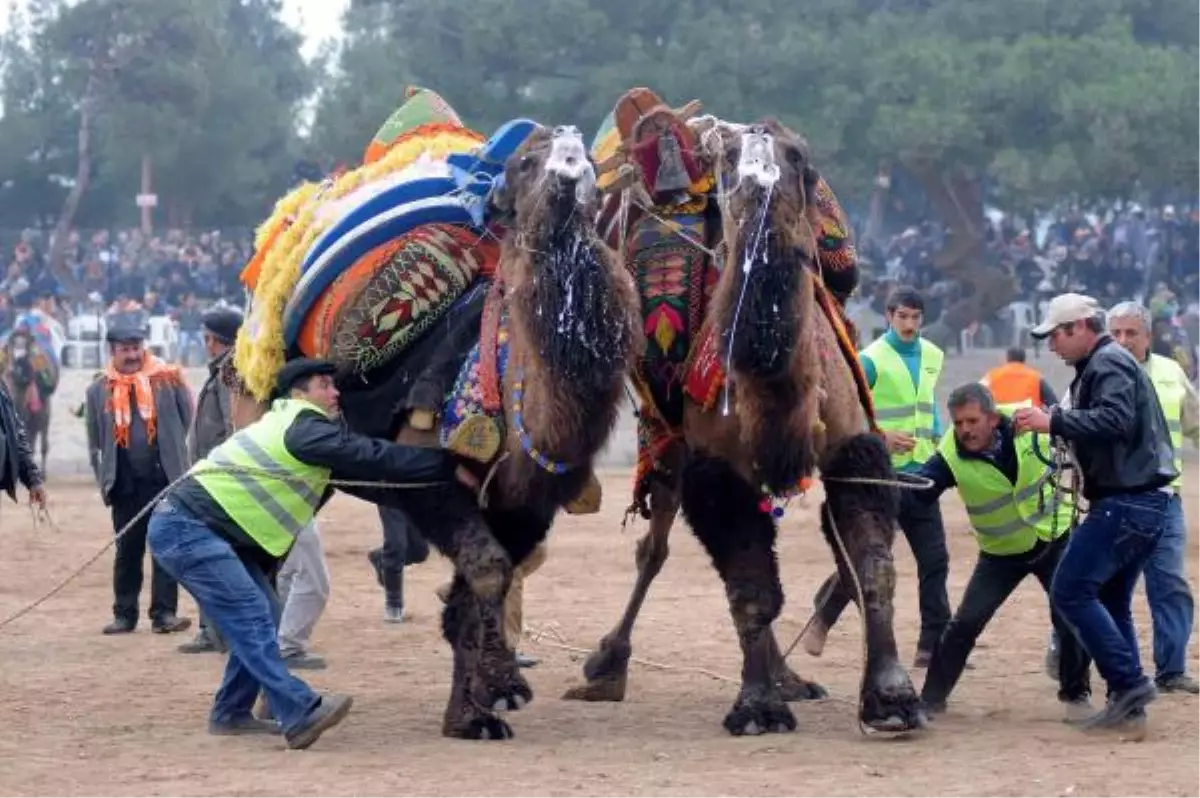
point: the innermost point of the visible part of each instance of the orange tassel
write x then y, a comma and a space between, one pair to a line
249, 275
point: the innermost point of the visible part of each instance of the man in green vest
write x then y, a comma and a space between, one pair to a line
222, 531
902, 369
1172, 606
1021, 528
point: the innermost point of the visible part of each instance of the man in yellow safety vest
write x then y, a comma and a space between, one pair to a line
1021, 528
238, 515
902, 369
1172, 606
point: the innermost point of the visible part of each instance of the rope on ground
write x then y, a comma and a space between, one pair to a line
278, 474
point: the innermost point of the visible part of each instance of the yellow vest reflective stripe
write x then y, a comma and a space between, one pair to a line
1008, 408
1170, 384
899, 405
269, 509
1008, 518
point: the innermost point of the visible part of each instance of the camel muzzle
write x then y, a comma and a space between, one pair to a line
756, 160
568, 160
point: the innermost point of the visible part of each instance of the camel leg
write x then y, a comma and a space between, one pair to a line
791, 685
723, 511
607, 669
863, 520
485, 677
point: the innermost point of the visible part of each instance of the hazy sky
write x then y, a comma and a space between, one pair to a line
316, 19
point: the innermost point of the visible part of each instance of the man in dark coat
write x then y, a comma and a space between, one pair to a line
16, 456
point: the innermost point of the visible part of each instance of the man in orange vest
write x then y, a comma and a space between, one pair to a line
1016, 385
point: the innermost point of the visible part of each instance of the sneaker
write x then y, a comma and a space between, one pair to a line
330, 712
243, 726
1180, 683
393, 614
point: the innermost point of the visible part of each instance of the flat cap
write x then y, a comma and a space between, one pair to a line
295, 370
125, 335
223, 324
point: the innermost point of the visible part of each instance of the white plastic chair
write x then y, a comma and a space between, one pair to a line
1023, 318
163, 337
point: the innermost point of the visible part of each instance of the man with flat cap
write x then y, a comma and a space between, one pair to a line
213, 424
1120, 439
238, 516
138, 412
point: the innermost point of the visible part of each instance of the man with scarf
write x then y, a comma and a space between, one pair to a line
138, 412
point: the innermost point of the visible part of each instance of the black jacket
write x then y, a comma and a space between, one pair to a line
318, 440
16, 455
1116, 425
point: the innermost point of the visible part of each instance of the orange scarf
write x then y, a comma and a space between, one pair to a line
153, 373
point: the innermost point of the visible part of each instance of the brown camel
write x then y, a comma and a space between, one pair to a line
568, 312
772, 395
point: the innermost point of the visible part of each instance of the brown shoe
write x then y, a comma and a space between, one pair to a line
170, 623
332, 710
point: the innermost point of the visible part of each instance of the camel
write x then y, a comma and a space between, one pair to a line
771, 393
559, 332
33, 379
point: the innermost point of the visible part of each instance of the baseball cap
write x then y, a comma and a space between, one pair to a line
1065, 309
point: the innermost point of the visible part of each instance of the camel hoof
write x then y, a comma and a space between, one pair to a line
513, 695
610, 688
794, 688
759, 711
890, 704
484, 726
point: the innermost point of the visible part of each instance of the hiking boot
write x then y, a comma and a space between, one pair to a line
168, 624
1179, 683
120, 626
243, 726
303, 661
814, 637
1119, 708
330, 712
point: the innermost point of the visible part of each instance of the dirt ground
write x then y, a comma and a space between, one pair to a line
82, 713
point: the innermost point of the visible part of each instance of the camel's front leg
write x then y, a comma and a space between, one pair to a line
607, 669
861, 518
723, 510
486, 677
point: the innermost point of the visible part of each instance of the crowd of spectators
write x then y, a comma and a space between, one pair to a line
130, 275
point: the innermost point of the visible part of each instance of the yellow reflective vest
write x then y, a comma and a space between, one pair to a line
899, 405
1170, 383
271, 510
1008, 518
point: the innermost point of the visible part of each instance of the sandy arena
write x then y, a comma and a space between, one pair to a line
87, 714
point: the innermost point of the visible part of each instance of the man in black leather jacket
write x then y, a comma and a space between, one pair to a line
17, 465
1120, 439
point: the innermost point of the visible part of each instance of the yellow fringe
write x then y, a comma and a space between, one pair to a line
259, 358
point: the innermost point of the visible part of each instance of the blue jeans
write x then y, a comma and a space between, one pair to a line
1171, 604
1093, 586
238, 599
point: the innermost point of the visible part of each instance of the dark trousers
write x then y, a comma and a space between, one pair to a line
402, 545
922, 527
992, 582
130, 555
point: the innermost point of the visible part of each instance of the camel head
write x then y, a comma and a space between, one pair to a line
569, 295
547, 182
768, 191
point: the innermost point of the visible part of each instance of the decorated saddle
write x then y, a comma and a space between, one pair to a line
661, 212
29, 352
359, 267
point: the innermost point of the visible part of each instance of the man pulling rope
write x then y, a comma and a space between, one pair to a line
224, 529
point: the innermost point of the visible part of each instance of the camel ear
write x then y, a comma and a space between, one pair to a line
811, 178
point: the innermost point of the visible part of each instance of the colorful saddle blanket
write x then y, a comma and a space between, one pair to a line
469, 396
